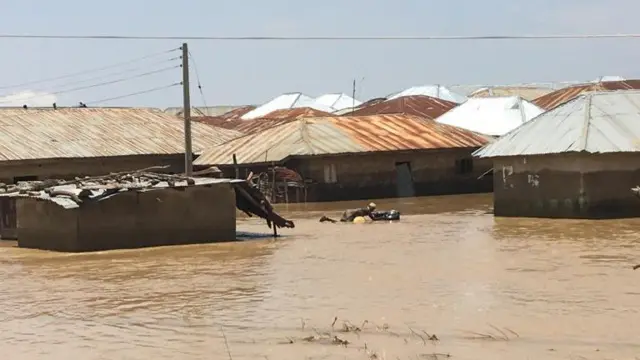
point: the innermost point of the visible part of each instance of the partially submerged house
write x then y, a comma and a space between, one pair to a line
419, 105
349, 158
66, 143
494, 116
132, 210
558, 97
578, 160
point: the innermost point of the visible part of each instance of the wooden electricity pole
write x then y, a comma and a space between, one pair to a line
188, 153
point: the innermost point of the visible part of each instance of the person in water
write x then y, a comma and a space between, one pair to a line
351, 214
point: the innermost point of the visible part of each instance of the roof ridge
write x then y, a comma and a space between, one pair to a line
587, 120
304, 134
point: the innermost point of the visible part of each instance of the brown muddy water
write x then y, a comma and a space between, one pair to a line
448, 268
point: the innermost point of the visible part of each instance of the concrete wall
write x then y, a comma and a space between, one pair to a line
374, 175
131, 220
567, 186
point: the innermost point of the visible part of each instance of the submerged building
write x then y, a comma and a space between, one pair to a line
350, 158
132, 210
40, 144
578, 160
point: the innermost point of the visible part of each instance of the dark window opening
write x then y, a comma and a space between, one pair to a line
464, 166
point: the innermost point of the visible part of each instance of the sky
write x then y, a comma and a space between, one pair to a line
251, 72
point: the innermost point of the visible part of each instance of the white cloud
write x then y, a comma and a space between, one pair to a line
29, 98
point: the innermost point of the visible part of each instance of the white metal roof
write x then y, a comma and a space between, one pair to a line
491, 116
285, 101
609, 78
436, 91
599, 122
337, 101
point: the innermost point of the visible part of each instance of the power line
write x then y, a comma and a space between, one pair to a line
89, 70
50, 89
134, 94
103, 83
324, 38
195, 68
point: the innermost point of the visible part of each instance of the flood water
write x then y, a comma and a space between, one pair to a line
487, 288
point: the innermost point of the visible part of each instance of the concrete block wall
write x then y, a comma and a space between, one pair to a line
374, 175
45, 225
585, 186
192, 215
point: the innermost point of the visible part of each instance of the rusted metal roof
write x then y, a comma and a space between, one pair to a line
526, 92
365, 104
296, 113
563, 95
418, 105
217, 110
237, 113
277, 117
243, 126
341, 135
258, 125
99, 132
437, 91
227, 120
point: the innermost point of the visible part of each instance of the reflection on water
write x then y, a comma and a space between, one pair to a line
449, 268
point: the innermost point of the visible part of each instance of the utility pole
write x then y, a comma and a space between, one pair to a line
188, 153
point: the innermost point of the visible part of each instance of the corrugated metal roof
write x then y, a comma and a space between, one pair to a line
602, 122
527, 93
243, 126
217, 110
418, 105
275, 118
493, 116
296, 113
237, 113
437, 91
228, 120
338, 135
258, 125
363, 105
285, 101
93, 132
337, 102
563, 95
